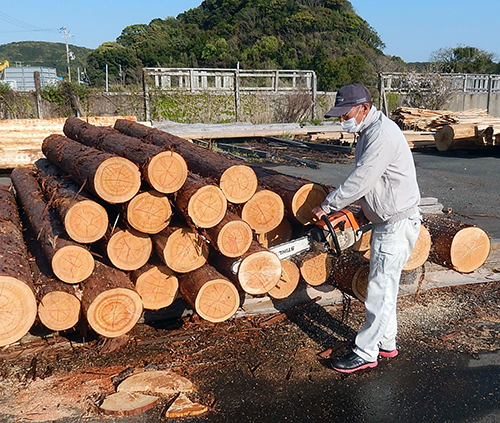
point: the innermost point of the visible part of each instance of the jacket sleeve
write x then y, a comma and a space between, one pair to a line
376, 157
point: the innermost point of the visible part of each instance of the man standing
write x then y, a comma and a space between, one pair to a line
384, 181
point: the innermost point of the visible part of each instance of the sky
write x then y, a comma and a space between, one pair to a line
412, 30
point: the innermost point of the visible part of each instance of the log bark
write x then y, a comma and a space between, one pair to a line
201, 203
211, 295
232, 237
128, 249
109, 301
290, 276
237, 182
84, 219
181, 249
350, 274
165, 171
459, 136
299, 195
70, 262
113, 179
156, 284
316, 267
149, 212
264, 211
456, 245
17, 293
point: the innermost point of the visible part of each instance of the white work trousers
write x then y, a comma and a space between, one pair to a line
390, 247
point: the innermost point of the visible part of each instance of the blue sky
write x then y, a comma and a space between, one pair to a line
412, 30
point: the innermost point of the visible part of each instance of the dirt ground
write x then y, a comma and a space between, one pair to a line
64, 379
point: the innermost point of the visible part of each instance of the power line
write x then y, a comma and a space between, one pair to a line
19, 23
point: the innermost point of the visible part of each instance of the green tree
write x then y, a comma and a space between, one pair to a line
463, 59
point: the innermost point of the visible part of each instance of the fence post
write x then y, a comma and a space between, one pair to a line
145, 87
237, 92
314, 95
490, 88
38, 94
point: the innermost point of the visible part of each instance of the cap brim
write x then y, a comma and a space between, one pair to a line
338, 111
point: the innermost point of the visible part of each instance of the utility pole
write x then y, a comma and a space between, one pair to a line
66, 35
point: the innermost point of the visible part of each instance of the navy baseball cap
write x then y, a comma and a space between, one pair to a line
347, 97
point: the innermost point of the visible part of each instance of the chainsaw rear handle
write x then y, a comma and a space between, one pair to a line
332, 233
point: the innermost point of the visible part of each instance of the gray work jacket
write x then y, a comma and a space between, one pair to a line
384, 178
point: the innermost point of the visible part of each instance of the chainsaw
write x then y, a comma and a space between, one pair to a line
337, 232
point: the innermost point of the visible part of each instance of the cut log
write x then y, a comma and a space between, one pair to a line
17, 294
282, 233
210, 294
85, 220
316, 268
264, 211
156, 284
421, 251
184, 407
129, 249
290, 276
456, 245
58, 306
453, 137
350, 274
112, 178
165, 171
128, 403
181, 249
109, 302
200, 202
363, 243
238, 182
149, 212
299, 195
232, 237
161, 382
70, 262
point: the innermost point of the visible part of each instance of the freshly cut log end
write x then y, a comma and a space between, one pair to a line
162, 382
360, 282
114, 312
117, 180
86, 221
72, 264
17, 309
259, 272
167, 172
305, 199
288, 282
128, 403
183, 250
350, 274
158, 287
421, 251
363, 243
238, 183
277, 236
59, 310
129, 249
469, 249
316, 268
207, 206
149, 212
217, 300
264, 211
234, 239
184, 407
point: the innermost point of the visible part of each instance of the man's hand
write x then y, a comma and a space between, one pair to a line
318, 212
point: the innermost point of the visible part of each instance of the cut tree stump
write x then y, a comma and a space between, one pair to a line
210, 294
149, 212
70, 262
110, 302
128, 403
238, 182
200, 202
232, 237
264, 211
184, 407
165, 171
161, 382
316, 268
112, 178
181, 249
290, 276
129, 249
456, 245
17, 294
84, 219
156, 284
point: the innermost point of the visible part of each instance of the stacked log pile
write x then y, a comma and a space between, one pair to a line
121, 235
470, 129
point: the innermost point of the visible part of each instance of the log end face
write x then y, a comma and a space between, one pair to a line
158, 287
264, 211
316, 268
129, 249
235, 239
72, 264
117, 180
185, 251
167, 172
259, 272
421, 251
217, 300
238, 183
86, 222
149, 212
59, 310
207, 206
305, 199
469, 249
290, 276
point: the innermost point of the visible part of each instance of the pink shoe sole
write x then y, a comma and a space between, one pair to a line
364, 366
388, 354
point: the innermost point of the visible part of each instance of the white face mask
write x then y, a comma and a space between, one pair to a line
351, 125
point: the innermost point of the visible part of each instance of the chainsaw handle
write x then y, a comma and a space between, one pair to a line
333, 234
